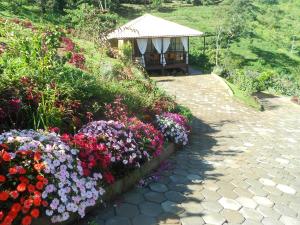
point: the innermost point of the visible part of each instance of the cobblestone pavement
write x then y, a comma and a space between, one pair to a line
241, 166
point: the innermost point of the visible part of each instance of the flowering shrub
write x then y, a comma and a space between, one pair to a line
117, 110
21, 184
120, 142
64, 187
78, 60
173, 127
150, 141
93, 156
69, 45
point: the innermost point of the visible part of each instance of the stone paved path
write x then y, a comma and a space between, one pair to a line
241, 166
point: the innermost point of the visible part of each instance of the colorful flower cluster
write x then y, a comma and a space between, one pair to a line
174, 127
120, 142
149, 139
64, 185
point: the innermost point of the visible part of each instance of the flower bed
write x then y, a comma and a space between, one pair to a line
59, 177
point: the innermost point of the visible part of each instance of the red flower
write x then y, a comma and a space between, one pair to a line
1, 215
26, 220
4, 196
109, 178
24, 180
37, 201
40, 178
39, 185
28, 203
35, 213
2, 179
6, 156
16, 207
14, 194
12, 170
21, 187
31, 188
21, 170
44, 203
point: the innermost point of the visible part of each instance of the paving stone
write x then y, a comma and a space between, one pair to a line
192, 207
210, 195
192, 220
243, 192
251, 222
155, 197
212, 206
133, 197
195, 178
228, 203
247, 202
267, 182
286, 189
232, 216
210, 186
168, 219
284, 210
214, 219
117, 221
143, 219
227, 193
258, 191
105, 213
150, 209
270, 221
172, 207
158, 187
251, 214
175, 196
268, 212
263, 201
127, 210
287, 220
178, 179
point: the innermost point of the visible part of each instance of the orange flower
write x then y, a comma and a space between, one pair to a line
12, 170
35, 213
4, 196
26, 220
38, 166
2, 179
39, 185
6, 156
37, 156
21, 187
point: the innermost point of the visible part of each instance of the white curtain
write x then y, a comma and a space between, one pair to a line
157, 42
166, 44
185, 43
142, 44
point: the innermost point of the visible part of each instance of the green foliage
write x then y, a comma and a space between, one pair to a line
90, 23
126, 50
184, 111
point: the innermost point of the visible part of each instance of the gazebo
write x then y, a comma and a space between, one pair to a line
157, 44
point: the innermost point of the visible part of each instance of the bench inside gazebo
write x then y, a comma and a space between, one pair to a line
157, 44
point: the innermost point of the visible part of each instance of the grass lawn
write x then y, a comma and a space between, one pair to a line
245, 98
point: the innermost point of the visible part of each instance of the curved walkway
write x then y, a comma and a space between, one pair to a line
241, 166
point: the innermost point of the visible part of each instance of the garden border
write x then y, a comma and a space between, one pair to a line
119, 187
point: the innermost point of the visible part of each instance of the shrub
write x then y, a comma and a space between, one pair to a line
64, 187
120, 143
245, 80
174, 127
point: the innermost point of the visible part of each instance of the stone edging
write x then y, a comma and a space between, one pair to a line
230, 92
120, 186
